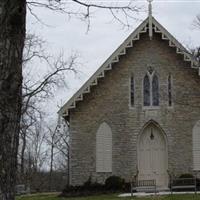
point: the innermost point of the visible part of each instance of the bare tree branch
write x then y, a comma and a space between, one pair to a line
35, 90
83, 10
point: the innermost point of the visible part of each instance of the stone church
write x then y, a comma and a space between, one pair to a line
139, 113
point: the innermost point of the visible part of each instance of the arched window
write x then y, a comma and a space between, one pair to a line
151, 89
169, 90
104, 148
155, 90
196, 146
146, 85
132, 91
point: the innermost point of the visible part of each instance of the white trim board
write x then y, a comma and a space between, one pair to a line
120, 51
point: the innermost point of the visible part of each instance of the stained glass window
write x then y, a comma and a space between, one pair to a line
155, 91
151, 89
132, 91
169, 90
146, 92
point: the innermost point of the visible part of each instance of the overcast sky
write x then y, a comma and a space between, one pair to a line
106, 35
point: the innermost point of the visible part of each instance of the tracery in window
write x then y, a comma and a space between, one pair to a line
155, 90
151, 89
146, 85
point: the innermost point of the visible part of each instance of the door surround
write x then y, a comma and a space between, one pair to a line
155, 124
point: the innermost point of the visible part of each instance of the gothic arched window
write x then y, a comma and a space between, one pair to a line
146, 85
151, 89
132, 91
169, 90
155, 91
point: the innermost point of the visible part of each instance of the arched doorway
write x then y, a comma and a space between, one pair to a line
152, 155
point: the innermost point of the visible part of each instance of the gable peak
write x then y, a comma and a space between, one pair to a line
144, 27
150, 19
150, 7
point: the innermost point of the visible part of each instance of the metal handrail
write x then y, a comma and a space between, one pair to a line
143, 183
184, 183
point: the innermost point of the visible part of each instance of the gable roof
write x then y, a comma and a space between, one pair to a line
120, 51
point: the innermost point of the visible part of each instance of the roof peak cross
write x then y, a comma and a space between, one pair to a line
150, 19
150, 7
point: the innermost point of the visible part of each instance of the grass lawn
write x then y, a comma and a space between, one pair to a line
109, 197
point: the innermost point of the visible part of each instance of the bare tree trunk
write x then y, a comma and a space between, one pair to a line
51, 167
12, 35
22, 154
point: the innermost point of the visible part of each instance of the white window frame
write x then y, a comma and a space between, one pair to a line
151, 106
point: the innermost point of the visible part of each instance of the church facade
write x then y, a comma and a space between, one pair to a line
139, 114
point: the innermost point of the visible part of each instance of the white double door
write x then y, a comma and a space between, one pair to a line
152, 156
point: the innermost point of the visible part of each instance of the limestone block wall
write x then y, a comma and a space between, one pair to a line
109, 102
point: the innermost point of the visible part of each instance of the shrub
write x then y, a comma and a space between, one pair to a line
88, 188
127, 187
186, 176
198, 184
88, 183
191, 176
184, 183
114, 183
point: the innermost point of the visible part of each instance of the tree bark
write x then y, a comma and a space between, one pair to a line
51, 166
12, 36
22, 154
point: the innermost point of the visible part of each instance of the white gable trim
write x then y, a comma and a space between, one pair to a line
180, 49
115, 57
